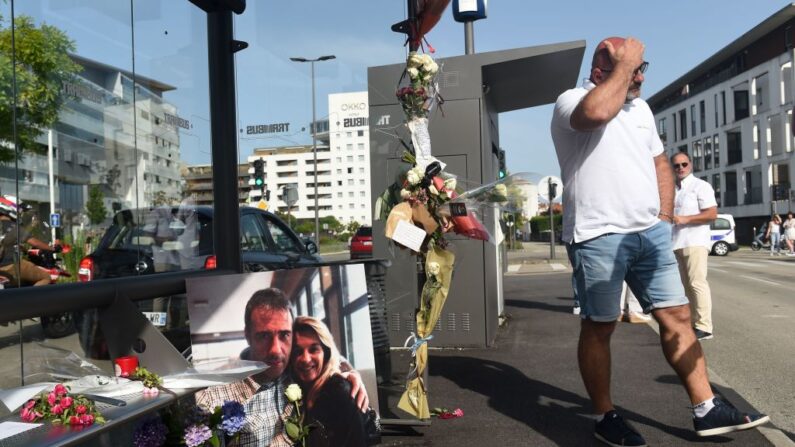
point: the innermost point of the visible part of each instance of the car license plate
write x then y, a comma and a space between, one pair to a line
157, 318
367, 243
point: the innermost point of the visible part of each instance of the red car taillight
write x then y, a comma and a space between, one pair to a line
209, 263
85, 272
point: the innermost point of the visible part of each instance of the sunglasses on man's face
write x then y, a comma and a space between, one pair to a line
681, 165
642, 69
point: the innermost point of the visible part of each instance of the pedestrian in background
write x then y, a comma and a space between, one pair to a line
774, 234
694, 209
618, 211
789, 233
631, 310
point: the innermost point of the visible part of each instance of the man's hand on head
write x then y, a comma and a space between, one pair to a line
358, 392
630, 53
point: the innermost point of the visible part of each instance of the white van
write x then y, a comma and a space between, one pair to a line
722, 235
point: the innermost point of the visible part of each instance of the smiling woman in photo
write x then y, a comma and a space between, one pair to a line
315, 363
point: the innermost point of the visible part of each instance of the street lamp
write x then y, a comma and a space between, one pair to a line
314, 133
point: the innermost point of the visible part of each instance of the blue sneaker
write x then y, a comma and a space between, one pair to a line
723, 418
615, 431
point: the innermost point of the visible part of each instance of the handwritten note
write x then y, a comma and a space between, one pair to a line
408, 235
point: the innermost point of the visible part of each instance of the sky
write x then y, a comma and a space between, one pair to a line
170, 45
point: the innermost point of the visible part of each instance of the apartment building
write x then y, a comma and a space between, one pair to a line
733, 115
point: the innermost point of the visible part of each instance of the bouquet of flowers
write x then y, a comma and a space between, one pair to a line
60, 407
418, 96
151, 381
225, 421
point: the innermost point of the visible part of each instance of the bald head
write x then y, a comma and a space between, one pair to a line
601, 56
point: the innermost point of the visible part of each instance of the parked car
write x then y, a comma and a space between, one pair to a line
723, 235
362, 243
146, 241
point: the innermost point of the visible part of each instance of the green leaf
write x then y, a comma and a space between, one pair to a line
214, 441
293, 431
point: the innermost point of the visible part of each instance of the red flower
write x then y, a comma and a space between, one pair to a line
87, 419
66, 402
30, 404
74, 420
52, 398
27, 415
60, 390
57, 409
80, 409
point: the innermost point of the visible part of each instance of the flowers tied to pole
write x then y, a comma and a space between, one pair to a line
418, 96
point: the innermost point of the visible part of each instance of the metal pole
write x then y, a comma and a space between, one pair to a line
469, 37
314, 154
551, 222
52, 183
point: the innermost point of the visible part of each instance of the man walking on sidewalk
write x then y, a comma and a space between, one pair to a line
694, 208
618, 205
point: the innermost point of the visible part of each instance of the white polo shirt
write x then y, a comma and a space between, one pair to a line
609, 178
692, 196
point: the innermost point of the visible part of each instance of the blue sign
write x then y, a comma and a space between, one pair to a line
469, 10
55, 220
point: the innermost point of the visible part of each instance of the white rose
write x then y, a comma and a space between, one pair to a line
426, 59
413, 72
450, 184
405, 194
433, 190
433, 268
293, 393
500, 189
415, 60
431, 68
412, 177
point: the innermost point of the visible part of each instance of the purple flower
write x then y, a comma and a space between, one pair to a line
196, 435
151, 433
233, 417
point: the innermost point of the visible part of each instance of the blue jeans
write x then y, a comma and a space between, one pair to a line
645, 260
775, 239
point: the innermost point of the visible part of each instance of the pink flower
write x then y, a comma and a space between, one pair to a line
80, 409
87, 419
60, 390
52, 398
30, 404
73, 420
57, 409
66, 402
458, 412
27, 415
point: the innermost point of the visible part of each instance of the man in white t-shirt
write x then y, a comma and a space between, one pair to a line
694, 208
618, 194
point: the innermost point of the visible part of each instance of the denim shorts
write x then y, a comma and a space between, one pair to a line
645, 260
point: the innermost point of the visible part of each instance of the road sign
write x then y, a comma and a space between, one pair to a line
262, 204
543, 187
55, 220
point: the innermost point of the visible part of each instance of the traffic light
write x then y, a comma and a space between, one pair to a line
259, 173
502, 172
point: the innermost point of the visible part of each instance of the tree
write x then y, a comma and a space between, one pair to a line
95, 207
43, 66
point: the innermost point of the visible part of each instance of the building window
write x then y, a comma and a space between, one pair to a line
339, 159
693, 120
351, 205
673, 127
696, 156
723, 107
716, 187
702, 114
786, 82
753, 185
775, 130
339, 194
350, 193
350, 170
734, 149
661, 130
741, 109
361, 181
757, 140
339, 171
349, 146
350, 181
360, 133
682, 124
361, 170
788, 132
716, 151
730, 180
715, 105
348, 134
360, 146
361, 157
708, 153
339, 182
363, 193
761, 92
349, 158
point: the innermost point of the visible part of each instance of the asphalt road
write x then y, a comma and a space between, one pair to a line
754, 345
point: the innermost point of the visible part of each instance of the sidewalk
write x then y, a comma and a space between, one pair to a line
526, 389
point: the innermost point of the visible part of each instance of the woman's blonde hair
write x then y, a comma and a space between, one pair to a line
331, 355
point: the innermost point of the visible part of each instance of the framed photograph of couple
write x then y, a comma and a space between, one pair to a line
336, 295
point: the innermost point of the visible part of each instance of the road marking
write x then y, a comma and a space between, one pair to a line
557, 266
775, 316
744, 264
760, 280
718, 270
514, 268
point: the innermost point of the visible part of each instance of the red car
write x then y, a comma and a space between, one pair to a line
362, 243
